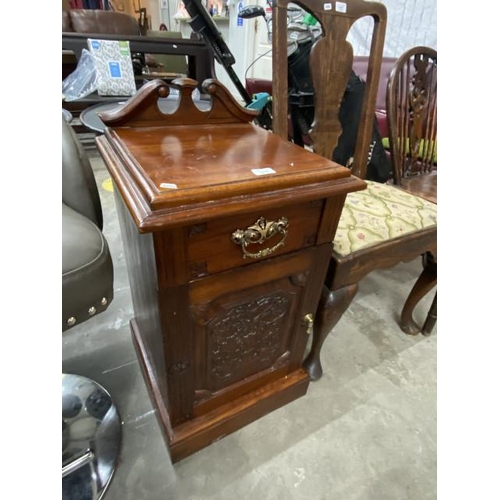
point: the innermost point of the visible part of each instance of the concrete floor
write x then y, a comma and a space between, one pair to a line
365, 431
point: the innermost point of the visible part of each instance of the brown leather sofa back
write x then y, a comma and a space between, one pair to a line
99, 21
66, 22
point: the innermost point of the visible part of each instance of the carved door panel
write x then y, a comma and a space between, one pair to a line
248, 326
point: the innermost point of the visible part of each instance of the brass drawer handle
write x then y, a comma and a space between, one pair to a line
259, 232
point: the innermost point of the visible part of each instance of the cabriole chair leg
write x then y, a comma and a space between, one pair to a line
431, 318
424, 284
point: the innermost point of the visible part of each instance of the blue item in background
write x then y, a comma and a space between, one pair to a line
259, 101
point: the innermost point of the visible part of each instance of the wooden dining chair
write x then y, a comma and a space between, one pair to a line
382, 225
412, 125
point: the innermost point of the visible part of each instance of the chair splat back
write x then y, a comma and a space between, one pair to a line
330, 65
412, 109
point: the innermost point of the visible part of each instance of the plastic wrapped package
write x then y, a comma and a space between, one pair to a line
83, 81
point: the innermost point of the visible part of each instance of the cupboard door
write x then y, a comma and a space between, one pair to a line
249, 327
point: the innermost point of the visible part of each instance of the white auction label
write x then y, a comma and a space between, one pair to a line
327, 6
341, 7
168, 185
263, 171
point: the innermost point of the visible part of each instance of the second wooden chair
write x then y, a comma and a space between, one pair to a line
382, 225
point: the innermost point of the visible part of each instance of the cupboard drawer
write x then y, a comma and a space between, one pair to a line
223, 244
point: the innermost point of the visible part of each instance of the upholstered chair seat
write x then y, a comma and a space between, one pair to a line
380, 213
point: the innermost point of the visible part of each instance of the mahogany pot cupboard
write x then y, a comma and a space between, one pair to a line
227, 231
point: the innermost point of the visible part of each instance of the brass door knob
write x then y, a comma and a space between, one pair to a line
309, 322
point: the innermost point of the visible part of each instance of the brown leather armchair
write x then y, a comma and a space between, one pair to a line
91, 425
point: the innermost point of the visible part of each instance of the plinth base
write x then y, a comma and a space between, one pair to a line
189, 437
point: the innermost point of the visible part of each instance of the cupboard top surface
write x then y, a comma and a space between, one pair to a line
186, 164
196, 164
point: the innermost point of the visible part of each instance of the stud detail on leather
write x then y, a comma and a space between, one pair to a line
104, 301
71, 321
92, 310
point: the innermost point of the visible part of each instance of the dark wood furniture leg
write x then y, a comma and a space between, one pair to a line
331, 306
424, 284
431, 318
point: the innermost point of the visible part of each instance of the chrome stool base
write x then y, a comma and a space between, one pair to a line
91, 438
